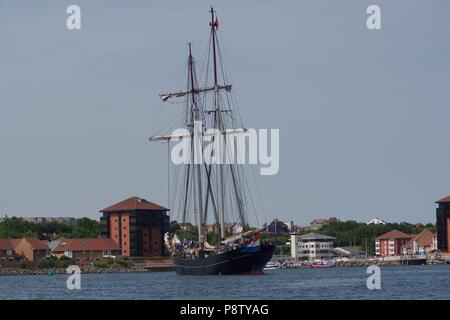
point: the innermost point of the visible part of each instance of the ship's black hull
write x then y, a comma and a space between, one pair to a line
231, 262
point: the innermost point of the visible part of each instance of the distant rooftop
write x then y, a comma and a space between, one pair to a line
134, 203
394, 234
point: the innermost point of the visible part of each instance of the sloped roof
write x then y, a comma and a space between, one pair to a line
87, 244
444, 200
315, 235
6, 244
425, 238
36, 243
393, 234
15, 242
134, 203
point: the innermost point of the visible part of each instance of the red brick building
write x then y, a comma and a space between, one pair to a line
391, 243
443, 225
137, 226
87, 248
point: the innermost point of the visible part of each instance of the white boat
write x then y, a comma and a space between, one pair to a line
271, 266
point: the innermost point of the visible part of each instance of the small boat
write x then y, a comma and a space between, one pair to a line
322, 264
271, 266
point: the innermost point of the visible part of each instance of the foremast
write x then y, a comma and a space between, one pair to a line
196, 145
218, 124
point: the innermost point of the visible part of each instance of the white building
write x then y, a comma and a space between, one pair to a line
311, 246
376, 221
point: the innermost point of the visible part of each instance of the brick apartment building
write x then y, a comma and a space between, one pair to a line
137, 226
391, 243
443, 225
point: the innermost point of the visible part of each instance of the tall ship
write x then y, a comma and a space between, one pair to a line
218, 190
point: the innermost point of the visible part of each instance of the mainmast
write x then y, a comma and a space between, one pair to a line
196, 152
219, 126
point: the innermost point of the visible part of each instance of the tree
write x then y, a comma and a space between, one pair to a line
174, 226
85, 228
17, 228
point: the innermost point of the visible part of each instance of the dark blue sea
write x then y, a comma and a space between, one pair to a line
397, 282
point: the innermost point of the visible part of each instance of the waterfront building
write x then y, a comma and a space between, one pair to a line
443, 225
391, 243
137, 226
87, 248
7, 252
419, 244
30, 248
311, 246
376, 221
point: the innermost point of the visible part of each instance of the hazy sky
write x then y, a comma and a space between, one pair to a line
363, 115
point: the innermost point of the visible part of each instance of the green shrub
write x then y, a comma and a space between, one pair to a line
103, 263
46, 263
65, 263
124, 263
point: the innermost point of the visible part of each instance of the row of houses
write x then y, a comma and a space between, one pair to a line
28, 248
37, 220
33, 249
393, 243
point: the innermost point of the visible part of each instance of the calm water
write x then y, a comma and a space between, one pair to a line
397, 282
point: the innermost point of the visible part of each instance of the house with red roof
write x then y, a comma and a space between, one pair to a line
137, 226
7, 252
391, 243
422, 243
31, 248
87, 248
